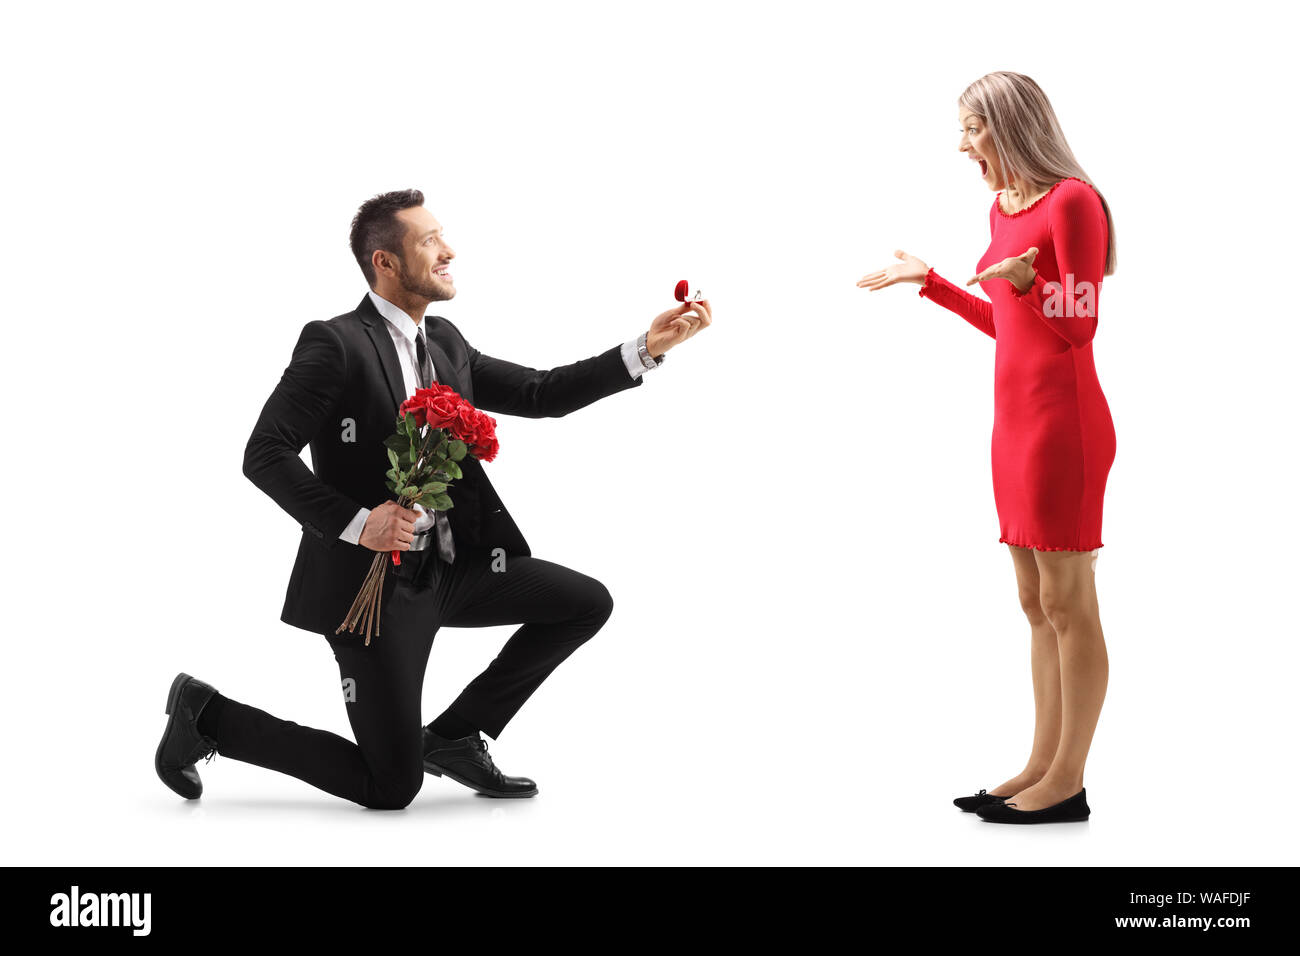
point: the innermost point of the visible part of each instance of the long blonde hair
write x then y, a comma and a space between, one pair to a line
1030, 143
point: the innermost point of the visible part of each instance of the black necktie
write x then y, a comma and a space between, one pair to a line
441, 526
422, 360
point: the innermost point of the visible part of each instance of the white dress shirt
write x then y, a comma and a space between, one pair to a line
402, 328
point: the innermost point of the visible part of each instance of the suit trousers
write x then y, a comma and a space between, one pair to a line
559, 609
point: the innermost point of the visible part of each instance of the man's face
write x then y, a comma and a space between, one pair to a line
425, 257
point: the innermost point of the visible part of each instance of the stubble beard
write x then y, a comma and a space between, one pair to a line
424, 287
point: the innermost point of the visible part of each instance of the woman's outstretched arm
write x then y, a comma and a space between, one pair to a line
978, 312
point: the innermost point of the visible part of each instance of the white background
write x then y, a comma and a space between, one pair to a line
177, 192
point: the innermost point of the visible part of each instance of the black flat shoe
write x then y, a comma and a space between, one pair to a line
975, 801
1070, 810
182, 744
468, 762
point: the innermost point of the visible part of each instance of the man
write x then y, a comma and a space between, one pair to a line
467, 567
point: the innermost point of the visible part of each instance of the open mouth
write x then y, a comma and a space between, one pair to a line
442, 274
984, 167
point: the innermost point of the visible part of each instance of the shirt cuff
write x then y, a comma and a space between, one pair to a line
352, 533
632, 360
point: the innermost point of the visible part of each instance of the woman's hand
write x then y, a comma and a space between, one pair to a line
910, 269
1018, 270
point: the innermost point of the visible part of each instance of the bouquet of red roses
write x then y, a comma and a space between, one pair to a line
436, 428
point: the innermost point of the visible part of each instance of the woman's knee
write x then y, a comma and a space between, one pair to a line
1031, 603
1060, 606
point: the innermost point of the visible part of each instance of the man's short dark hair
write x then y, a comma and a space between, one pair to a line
376, 226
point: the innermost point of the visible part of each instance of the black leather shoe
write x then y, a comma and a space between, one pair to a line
1070, 810
975, 801
181, 743
468, 762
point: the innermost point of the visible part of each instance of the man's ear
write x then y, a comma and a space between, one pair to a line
382, 261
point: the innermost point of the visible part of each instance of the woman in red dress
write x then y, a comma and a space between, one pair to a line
1053, 440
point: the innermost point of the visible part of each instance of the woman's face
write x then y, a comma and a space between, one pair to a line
977, 144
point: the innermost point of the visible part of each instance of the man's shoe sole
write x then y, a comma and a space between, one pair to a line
442, 772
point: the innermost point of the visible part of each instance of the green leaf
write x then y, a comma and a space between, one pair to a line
433, 487
410, 491
392, 458
442, 502
451, 470
456, 449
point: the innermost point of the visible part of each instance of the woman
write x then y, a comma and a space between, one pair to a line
1053, 440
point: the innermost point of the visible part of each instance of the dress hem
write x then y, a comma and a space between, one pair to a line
1042, 547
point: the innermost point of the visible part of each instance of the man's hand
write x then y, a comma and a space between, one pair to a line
1018, 270
389, 527
676, 326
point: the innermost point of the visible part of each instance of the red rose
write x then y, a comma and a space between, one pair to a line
434, 406
412, 406
482, 440
441, 410
461, 424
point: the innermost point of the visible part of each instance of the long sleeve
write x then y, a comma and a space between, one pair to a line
1077, 222
298, 408
978, 312
501, 386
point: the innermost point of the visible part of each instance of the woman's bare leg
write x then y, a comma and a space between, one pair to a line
1069, 597
1045, 666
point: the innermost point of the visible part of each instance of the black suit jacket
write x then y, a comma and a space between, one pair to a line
347, 368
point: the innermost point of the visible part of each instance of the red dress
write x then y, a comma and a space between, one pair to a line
1053, 439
